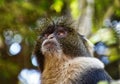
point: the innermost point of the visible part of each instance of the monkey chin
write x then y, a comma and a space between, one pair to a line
50, 47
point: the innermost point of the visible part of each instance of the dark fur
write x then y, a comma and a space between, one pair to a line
92, 76
72, 46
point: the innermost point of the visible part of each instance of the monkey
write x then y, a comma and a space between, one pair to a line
63, 56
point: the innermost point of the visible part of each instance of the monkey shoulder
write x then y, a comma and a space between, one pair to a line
85, 63
87, 70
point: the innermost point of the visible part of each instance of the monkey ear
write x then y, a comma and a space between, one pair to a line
88, 44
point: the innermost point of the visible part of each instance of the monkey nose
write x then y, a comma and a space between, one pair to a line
51, 36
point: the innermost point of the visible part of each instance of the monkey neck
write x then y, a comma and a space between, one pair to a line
54, 60
53, 68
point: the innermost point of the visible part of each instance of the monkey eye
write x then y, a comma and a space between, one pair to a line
46, 35
61, 33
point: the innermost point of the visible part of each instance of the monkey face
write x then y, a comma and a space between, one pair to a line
58, 37
51, 40
50, 45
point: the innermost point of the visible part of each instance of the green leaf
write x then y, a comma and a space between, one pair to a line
57, 6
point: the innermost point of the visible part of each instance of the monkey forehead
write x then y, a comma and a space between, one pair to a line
87, 62
51, 22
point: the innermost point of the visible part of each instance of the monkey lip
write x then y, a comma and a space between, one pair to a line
50, 44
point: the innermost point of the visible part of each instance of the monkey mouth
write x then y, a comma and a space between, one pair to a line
50, 45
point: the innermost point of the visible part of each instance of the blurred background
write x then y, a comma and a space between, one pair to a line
98, 20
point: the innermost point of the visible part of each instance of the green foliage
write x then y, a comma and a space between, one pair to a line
1, 3
74, 6
102, 6
57, 5
103, 82
112, 82
117, 12
8, 69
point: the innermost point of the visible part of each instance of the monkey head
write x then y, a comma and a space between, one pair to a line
57, 38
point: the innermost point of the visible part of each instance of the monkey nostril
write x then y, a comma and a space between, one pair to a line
51, 36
